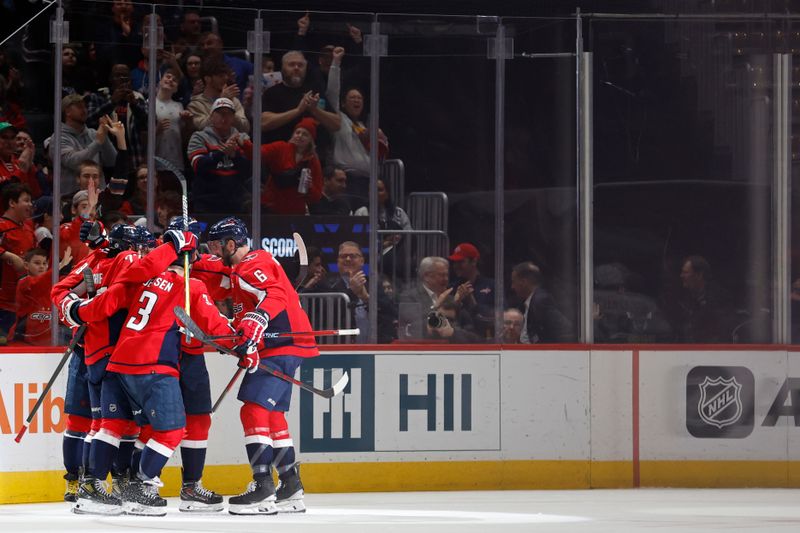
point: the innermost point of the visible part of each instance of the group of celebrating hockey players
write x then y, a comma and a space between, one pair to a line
138, 386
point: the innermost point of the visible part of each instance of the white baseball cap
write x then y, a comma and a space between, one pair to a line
221, 103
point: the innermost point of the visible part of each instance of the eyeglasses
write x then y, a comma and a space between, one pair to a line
349, 257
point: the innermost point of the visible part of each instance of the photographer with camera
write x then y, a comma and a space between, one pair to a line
450, 323
428, 310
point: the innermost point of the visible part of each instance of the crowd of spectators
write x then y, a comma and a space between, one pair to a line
203, 121
315, 156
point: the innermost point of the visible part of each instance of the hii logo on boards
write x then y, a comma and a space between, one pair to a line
719, 402
344, 423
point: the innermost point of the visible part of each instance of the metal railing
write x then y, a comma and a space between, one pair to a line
329, 310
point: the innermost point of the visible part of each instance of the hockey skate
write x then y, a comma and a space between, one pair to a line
195, 498
141, 498
118, 484
290, 492
71, 493
94, 498
259, 498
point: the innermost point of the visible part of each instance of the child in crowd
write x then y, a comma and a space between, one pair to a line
33, 299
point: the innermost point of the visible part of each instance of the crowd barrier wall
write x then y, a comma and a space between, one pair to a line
460, 418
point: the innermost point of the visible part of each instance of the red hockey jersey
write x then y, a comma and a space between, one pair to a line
124, 268
217, 278
150, 339
259, 281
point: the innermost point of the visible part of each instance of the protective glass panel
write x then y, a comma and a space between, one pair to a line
541, 238
683, 169
436, 188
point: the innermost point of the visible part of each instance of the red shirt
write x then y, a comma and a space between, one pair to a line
33, 310
280, 157
11, 171
18, 239
259, 281
70, 236
150, 340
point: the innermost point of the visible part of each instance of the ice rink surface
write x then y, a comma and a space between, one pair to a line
617, 511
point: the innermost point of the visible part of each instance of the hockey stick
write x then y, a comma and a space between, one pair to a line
200, 335
88, 279
270, 335
282, 334
185, 207
226, 390
303, 253
301, 250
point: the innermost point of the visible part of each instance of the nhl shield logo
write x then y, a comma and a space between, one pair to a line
720, 402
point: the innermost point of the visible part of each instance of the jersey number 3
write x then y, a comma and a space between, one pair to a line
138, 321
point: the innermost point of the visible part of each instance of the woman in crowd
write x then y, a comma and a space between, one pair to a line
290, 190
388, 210
191, 83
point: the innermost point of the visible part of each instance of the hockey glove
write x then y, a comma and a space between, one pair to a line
248, 356
94, 234
183, 241
69, 310
252, 326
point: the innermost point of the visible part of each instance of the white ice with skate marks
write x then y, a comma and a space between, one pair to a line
594, 511
340, 512
178, 521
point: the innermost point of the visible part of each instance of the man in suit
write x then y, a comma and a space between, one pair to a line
352, 280
544, 323
426, 296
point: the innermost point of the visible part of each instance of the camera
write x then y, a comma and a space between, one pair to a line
436, 320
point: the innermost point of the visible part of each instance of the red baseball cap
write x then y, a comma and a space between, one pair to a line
463, 251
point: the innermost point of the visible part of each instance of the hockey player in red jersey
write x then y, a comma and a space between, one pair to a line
115, 262
77, 405
264, 301
142, 382
196, 386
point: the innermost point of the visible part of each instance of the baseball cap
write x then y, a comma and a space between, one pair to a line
42, 206
6, 125
79, 197
463, 251
221, 103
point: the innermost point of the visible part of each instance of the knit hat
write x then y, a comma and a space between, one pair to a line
308, 124
463, 251
79, 197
